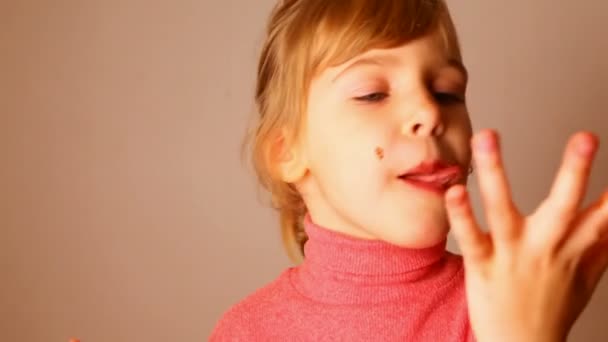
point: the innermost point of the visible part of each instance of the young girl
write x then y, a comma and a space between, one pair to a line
365, 144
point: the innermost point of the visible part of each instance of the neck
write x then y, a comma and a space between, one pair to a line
342, 269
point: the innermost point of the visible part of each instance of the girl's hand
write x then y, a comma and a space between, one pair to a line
529, 278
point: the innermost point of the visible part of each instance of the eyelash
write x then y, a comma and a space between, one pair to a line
372, 97
448, 98
442, 98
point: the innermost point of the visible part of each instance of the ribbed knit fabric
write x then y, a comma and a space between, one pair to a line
349, 289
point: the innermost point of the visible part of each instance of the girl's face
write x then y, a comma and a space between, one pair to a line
369, 122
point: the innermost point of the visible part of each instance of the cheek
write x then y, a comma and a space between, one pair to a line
379, 152
344, 135
458, 137
345, 159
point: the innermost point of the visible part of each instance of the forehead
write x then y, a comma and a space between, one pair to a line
428, 51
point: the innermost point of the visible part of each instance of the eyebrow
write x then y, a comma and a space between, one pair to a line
391, 60
378, 60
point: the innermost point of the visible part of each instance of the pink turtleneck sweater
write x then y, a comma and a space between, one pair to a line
349, 289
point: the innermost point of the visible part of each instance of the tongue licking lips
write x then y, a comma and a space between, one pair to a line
428, 178
431, 183
437, 182
424, 178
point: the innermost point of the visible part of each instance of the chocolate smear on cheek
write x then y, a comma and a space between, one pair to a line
379, 153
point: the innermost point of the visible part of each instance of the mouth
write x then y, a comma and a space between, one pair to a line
434, 176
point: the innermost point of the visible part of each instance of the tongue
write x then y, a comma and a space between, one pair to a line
425, 178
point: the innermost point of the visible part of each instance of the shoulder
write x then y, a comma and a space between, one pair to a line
246, 318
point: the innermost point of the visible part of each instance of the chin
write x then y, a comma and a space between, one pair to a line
425, 232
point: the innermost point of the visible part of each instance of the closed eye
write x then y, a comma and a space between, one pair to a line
372, 97
448, 98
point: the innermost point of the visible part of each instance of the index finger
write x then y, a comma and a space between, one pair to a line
501, 212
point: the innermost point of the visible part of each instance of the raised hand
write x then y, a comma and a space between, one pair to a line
529, 278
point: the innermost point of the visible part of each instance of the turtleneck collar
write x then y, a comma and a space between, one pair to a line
340, 269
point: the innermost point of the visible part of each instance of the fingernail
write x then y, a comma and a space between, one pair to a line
456, 196
585, 147
485, 143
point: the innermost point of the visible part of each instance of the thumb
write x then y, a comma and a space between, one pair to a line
474, 244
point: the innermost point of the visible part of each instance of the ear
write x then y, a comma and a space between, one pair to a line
290, 159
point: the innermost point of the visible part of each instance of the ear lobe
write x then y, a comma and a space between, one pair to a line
292, 169
291, 162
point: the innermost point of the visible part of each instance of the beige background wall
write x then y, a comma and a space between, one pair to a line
125, 214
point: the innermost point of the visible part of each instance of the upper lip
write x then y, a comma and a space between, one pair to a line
435, 170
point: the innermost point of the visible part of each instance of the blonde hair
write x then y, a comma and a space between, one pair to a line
302, 38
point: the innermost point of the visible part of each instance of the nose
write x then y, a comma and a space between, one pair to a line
423, 119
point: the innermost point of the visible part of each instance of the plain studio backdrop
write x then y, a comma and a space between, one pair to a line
125, 212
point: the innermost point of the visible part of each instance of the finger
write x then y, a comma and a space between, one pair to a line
589, 230
596, 267
473, 242
570, 184
594, 262
500, 211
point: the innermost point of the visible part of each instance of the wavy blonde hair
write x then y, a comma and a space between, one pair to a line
302, 38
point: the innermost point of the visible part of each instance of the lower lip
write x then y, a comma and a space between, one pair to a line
432, 187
